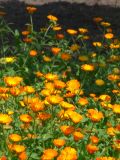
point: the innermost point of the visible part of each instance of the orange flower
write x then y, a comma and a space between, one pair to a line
49, 154
59, 142
25, 118
83, 101
95, 115
38, 106
73, 85
105, 158
77, 136
60, 36
3, 158
47, 59
27, 40
4, 90
111, 131
5, 119
12, 81
55, 50
113, 77
65, 56
75, 117
29, 89
15, 91
67, 129
68, 153
54, 99
109, 35
33, 53
99, 82
52, 18
105, 97
59, 84
15, 137
116, 108
22, 156
71, 31
74, 47
25, 33
31, 10
18, 148
105, 24
51, 77
39, 74
87, 67
57, 28
2, 13
97, 19
91, 148
44, 116
94, 139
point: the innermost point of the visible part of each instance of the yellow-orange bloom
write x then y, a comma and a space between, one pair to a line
91, 148
71, 31
105, 158
97, 19
33, 53
83, 30
44, 116
31, 10
59, 142
54, 99
105, 24
49, 154
87, 67
74, 116
5, 119
18, 148
12, 81
77, 136
83, 101
109, 35
65, 56
67, 105
97, 44
95, 115
73, 85
67, 129
52, 18
22, 156
113, 77
51, 77
25, 118
55, 50
83, 58
99, 82
15, 137
94, 139
59, 84
116, 108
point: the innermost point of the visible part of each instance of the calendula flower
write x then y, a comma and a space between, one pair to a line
83, 101
55, 50
47, 59
113, 77
71, 31
15, 137
18, 148
65, 56
52, 18
60, 36
44, 116
7, 60
5, 119
26, 118
57, 28
13, 81
23, 156
91, 148
105, 24
116, 108
59, 84
94, 139
59, 142
67, 130
67, 105
77, 136
83, 30
97, 19
51, 77
73, 85
105, 97
28, 40
49, 154
29, 89
54, 99
95, 115
109, 35
114, 46
111, 131
25, 33
97, 44
68, 153
31, 10
33, 53
87, 67
99, 82
105, 158
15, 91
36, 107
39, 74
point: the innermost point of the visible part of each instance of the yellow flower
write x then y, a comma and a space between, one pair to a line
7, 60
83, 30
49, 154
54, 99
116, 108
51, 77
109, 35
95, 115
12, 81
67, 105
77, 136
105, 24
57, 28
97, 44
25, 118
73, 85
72, 31
59, 142
18, 148
46, 59
74, 116
59, 84
87, 67
83, 101
5, 119
15, 137
99, 82
52, 18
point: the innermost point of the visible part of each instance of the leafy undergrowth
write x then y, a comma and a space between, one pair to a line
59, 93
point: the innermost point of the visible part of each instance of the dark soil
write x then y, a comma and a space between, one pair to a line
70, 15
